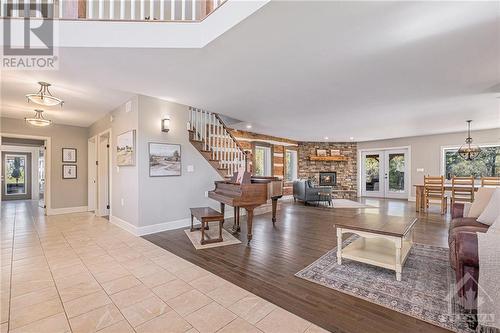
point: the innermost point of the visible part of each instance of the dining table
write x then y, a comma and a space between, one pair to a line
420, 194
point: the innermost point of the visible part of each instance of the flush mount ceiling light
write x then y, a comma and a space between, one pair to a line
469, 151
38, 119
44, 97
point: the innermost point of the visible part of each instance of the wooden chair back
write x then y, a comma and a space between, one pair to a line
490, 181
434, 186
462, 189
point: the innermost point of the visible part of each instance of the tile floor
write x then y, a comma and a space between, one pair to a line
79, 273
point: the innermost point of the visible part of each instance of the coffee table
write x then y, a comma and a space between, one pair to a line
385, 241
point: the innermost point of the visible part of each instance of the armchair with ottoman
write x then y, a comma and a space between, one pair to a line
306, 191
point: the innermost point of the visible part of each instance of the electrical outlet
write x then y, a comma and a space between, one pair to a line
190, 168
122, 201
420, 169
206, 194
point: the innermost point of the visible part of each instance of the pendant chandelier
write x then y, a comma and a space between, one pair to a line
44, 97
38, 119
469, 151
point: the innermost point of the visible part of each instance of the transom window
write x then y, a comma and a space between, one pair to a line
487, 164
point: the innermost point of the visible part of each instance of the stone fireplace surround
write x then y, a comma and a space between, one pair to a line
346, 187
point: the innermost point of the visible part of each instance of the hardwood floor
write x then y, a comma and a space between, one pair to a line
302, 235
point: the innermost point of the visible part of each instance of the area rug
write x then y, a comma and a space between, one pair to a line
213, 232
345, 203
426, 291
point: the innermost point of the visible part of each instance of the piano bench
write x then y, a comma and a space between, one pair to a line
206, 215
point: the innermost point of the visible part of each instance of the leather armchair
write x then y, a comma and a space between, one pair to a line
303, 190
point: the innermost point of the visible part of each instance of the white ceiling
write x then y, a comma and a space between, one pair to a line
304, 70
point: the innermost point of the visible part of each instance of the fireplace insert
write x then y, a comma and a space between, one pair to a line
327, 178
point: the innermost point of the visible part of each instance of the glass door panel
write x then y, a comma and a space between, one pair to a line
372, 171
16, 180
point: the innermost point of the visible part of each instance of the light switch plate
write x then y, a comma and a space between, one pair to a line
420, 169
190, 168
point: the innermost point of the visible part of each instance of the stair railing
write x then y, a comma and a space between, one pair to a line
216, 138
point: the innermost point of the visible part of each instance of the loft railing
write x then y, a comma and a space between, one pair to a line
216, 138
111, 10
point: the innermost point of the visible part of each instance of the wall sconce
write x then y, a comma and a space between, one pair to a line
165, 124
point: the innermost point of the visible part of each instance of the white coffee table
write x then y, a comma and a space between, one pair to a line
384, 241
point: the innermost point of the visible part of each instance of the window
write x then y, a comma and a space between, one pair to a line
487, 164
290, 165
262, 161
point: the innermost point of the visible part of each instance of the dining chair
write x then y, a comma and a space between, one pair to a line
462, 189
434, 191
490, 181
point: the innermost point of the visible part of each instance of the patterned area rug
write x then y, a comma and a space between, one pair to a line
195, 237
425, 292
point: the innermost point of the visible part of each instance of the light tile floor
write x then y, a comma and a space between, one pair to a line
80, 273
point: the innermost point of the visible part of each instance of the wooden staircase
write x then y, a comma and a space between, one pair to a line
212, 138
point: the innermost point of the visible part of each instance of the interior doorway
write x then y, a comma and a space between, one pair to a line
385, 173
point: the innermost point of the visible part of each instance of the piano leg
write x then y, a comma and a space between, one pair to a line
249, 223
236, 224
275, 206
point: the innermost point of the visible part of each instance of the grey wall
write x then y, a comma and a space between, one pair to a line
426, 150
168, 199
64, 192
153, 200
124, 181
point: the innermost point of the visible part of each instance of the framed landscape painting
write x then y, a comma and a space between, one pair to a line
125, 148
164, 159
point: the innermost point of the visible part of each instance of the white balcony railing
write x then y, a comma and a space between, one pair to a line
111, 10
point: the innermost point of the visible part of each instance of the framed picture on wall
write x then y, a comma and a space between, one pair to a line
164, 159
125, 148
320, 152
69, 155
69, 171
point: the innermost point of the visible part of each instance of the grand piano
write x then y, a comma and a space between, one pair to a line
250, 193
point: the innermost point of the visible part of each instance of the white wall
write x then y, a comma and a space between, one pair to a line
426, 150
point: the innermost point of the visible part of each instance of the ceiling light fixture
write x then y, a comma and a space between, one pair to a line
469, 151
249, 126
38, 119
326, 138
44, 96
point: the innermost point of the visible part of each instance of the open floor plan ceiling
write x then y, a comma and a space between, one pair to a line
303, 70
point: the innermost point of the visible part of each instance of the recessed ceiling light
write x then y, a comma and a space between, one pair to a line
44, 97
249, 126
38, 119
351, 138
326, 138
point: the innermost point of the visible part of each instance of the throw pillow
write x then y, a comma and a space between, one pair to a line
495, 227
481, 200
492, 210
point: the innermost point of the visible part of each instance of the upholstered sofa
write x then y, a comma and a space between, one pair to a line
464, 255
304, 190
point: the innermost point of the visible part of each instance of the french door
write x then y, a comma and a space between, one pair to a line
384, 173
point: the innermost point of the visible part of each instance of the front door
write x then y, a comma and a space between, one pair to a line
385, 173
16, 178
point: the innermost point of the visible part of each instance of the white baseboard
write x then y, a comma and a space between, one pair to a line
66, 210
413, 199
149, 229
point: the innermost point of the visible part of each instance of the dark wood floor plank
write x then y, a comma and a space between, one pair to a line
302, 235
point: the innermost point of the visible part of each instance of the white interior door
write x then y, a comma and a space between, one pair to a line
103, 176
372, 174
384, 173
396, 173
92, 174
